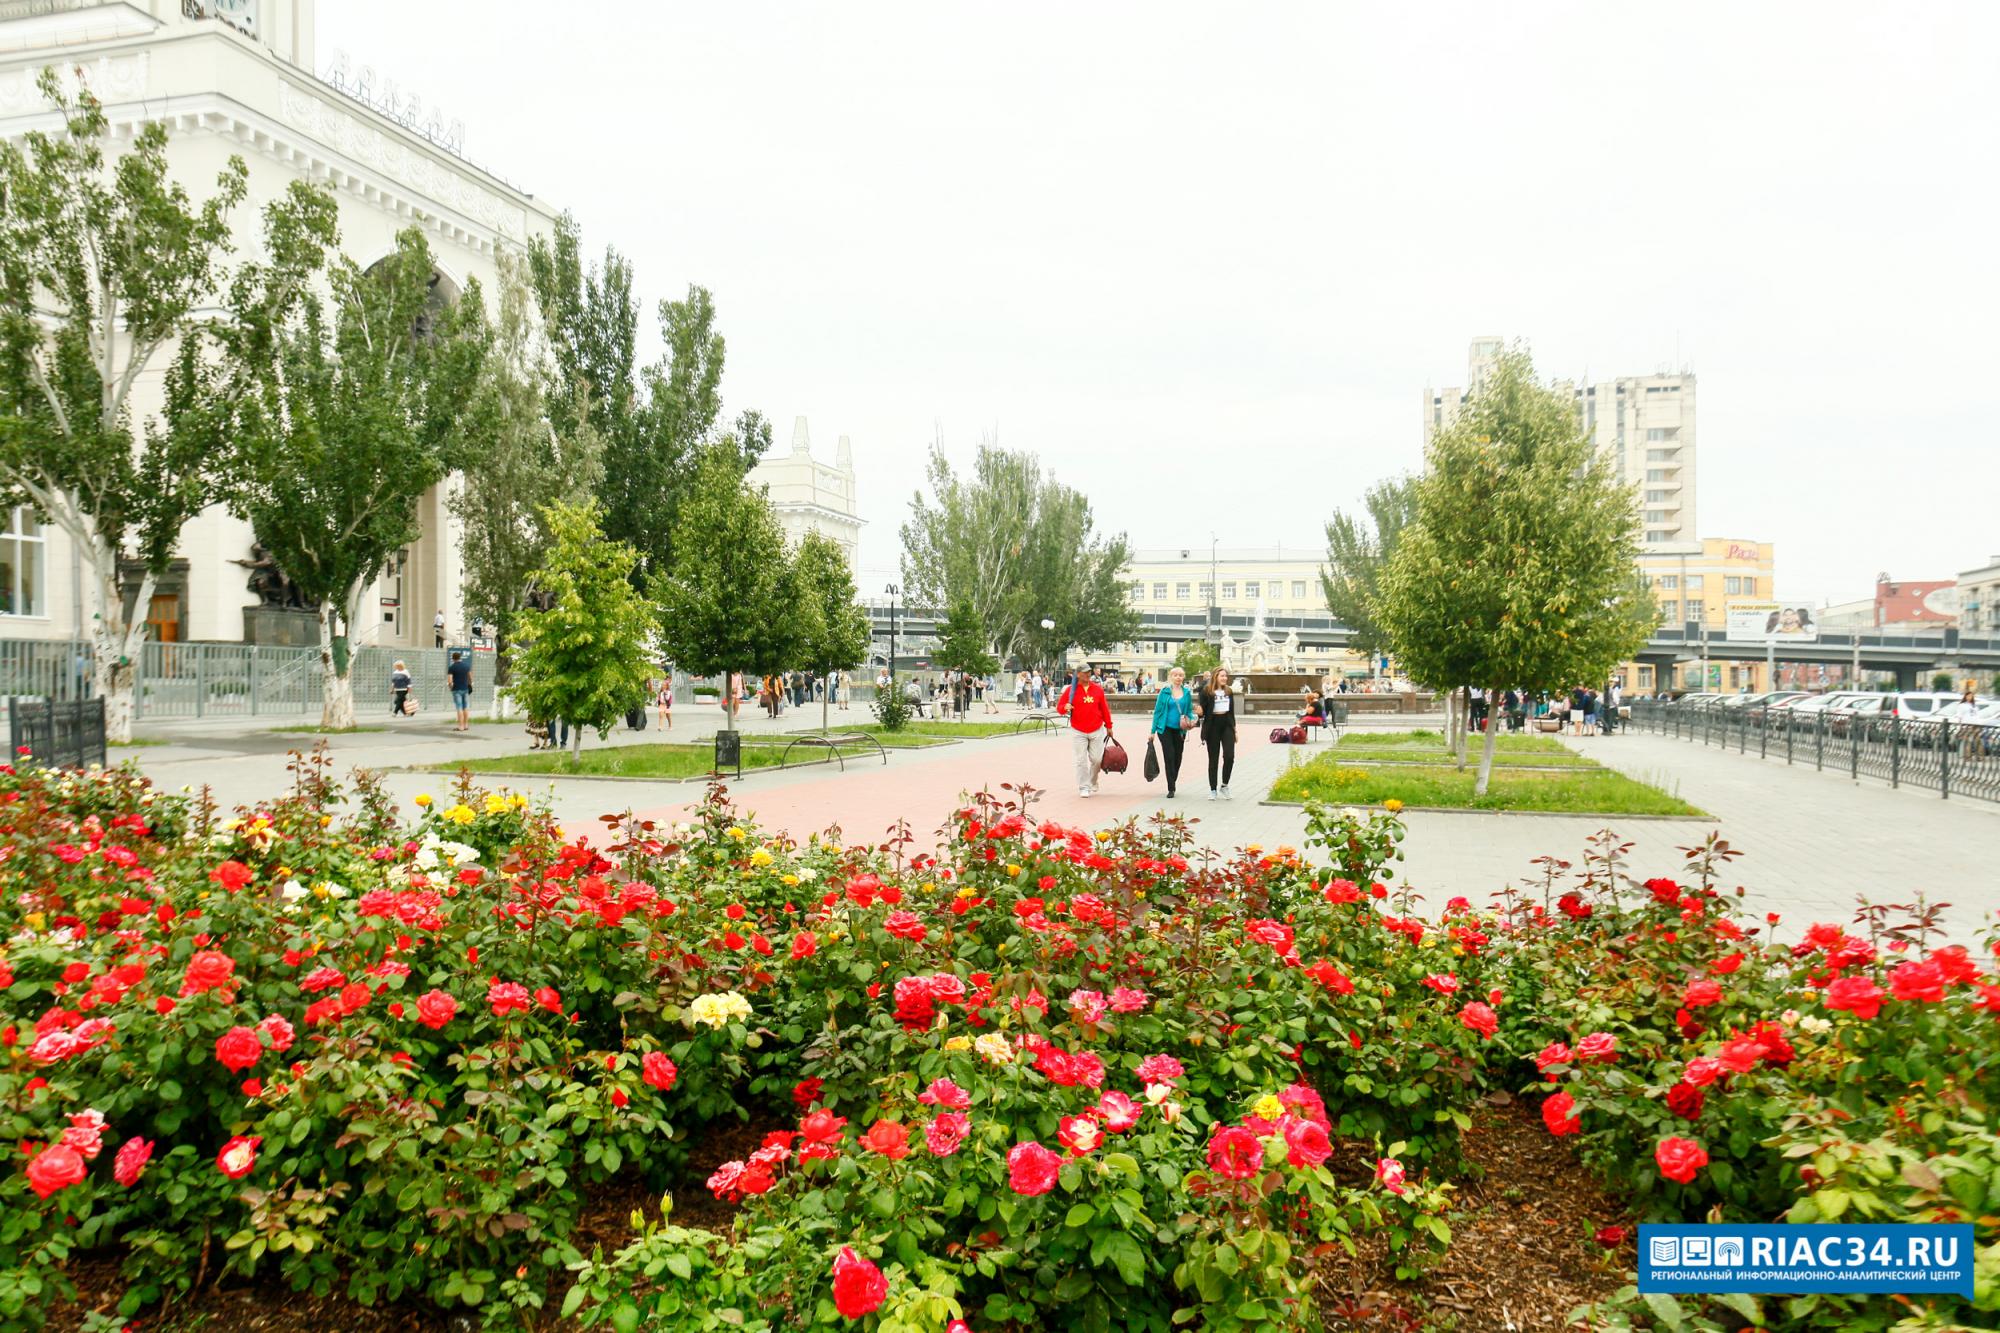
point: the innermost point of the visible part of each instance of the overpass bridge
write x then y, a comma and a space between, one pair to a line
1910, 656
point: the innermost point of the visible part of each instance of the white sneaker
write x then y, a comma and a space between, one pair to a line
1225, 793
1211, 793
1083, 791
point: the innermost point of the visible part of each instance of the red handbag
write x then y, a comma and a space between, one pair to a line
1114, 758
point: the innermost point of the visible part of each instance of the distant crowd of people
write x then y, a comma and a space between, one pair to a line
1583, 710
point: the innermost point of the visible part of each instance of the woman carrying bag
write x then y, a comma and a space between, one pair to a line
1218, 729
1173, 718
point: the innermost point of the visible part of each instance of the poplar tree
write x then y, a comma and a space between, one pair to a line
833, 629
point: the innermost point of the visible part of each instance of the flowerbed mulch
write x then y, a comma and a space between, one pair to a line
1524, 1252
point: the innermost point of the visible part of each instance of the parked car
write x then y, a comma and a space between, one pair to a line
1821, 703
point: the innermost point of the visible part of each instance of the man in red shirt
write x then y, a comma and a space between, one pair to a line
1089, 714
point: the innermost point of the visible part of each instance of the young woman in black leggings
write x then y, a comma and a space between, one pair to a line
1218, 730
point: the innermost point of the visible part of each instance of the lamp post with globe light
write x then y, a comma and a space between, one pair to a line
892, 590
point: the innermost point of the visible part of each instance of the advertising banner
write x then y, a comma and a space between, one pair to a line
1771, 622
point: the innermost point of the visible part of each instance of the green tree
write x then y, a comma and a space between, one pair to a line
1517, 571
833, 629
962, 642
586, 657
355, 398
515, 462
731, 600
1018, 548
1358, 546
103, 265
1197, 657
648, 471
592, 323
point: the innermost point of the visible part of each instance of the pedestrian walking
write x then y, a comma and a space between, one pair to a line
458, 675
399, 686
1038, 690
1218, 730
664, 697
437, 629
1173, 717
1089, 714
1614, 696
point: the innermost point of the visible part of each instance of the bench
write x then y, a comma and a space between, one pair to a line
1042, 720
832, 742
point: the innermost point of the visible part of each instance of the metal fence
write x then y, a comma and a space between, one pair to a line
65, 734
1950, 758
202, 680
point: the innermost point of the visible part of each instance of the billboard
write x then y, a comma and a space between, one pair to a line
1771, 622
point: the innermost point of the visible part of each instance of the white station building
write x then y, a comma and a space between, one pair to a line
237, 77
812, 496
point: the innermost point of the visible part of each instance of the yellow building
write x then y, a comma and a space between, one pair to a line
1695, 584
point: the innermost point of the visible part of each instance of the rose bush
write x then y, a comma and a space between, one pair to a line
1036, 1076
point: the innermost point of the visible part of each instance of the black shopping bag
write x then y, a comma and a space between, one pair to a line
1152, 760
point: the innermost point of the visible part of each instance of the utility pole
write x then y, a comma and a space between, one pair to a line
1214, 591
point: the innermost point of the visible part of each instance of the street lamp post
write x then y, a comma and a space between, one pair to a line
1214, 590
892, 590
1048, 627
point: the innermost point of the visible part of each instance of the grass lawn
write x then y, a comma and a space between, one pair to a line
323, 731
621, 761
1335, 778
137, 743
1434, 740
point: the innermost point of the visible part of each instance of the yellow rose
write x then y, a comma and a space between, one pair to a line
1268, 1107
423, 798
460, 814
760, 857
958, 1043
496, 804
738, 834
789, 881
1392, 805
1013, 872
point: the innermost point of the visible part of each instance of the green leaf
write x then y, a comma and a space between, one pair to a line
1666, 1309
1079, 1215
678, 1265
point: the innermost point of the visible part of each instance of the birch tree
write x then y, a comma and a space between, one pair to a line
104, 266
353, 402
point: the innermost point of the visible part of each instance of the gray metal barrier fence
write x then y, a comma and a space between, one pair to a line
221, 680
1949, 757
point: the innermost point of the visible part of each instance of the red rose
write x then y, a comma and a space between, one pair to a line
507, 997
1685, 1100
1342, 891
945, 1134
1722, 967
54, 1168
1701, 993
1557, 1115
1857, 994
238, 1049
1741, 1055
238, 1157
1922, 982
1306, 1143
130, 1163
1079, 1133
231, 875
1479, 1016
804, 945
208, 970
1032, 1169
858, 1285
549, 999
1235, 1153
806, 1091
435, 1009
888, 1138
658, 1070
1598, 1048
1611, 1237
1703, 1070
1680, 1159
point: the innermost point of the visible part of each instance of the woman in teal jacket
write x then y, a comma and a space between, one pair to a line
1173, 717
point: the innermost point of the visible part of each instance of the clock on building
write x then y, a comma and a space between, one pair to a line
241, 13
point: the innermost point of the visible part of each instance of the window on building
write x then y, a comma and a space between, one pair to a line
1658, 497
1697, 609
1253, 589
1656, 516
1645, 678
21, 564
1749, 585
1662, 455
1159, 592
1669, 612
1228, 592
1659, 536
1207, 592
1656, 433
1138, 592
1298, 590
1657, 474
1181, 592
1694, 583
1670, 581
1731, 585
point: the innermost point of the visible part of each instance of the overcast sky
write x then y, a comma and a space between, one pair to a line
1203, 259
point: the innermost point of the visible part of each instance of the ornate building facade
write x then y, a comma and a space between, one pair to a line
236, 77
810, 495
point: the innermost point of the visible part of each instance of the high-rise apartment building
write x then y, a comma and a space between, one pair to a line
1643, 423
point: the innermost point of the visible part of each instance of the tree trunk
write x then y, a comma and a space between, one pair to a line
1486, 752
575, 745
825, 700
117, 645
729, 689
1464, 723
336, 685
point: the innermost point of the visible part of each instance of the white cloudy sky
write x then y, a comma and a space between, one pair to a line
1204, 258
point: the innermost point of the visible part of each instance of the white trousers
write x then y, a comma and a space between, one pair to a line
1089, 748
